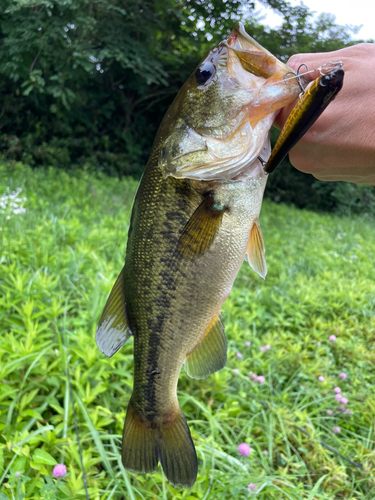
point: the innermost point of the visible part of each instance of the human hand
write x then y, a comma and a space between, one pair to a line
340, 146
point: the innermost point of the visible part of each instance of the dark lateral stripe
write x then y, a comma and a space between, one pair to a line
165, 260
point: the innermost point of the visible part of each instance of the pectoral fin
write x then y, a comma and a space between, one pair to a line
210, 355
256, 250
199, 233
113, 330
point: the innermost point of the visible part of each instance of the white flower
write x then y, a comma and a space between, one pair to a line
12, 203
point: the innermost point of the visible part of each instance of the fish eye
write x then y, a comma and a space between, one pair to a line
205, 72
325, 81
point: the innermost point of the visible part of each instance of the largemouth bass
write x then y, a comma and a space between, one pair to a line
194, 219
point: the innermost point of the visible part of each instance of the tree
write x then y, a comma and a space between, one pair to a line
87, 78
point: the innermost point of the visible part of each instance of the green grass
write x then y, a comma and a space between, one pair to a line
58, 263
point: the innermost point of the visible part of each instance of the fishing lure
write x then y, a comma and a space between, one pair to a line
313, 101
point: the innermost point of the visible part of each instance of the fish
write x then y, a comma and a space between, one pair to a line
195, 218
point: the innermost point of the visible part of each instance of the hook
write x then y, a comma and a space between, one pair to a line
289, 73
299, 77
327, 66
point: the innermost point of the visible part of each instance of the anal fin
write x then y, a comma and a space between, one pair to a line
199, 233
113, 329
210, 355
256, 250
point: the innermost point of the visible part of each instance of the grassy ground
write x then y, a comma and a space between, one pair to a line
59, 260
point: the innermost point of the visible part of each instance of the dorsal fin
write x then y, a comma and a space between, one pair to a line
256, 250
199, 233
210, 354
113, 330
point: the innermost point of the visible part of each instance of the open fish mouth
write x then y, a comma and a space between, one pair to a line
225, 110
253, 57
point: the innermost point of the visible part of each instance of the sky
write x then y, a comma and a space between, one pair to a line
363, 13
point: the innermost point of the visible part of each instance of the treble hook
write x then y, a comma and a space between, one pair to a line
298, 76
289, 73
323, 70
330, 66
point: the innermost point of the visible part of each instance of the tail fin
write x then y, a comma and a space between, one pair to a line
145, 443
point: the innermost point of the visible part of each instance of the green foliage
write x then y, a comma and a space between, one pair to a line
59, 260
301, 32
81, 81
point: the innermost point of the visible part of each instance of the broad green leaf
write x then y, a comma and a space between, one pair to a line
39, 467
43, 457
65, 489
20, 464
